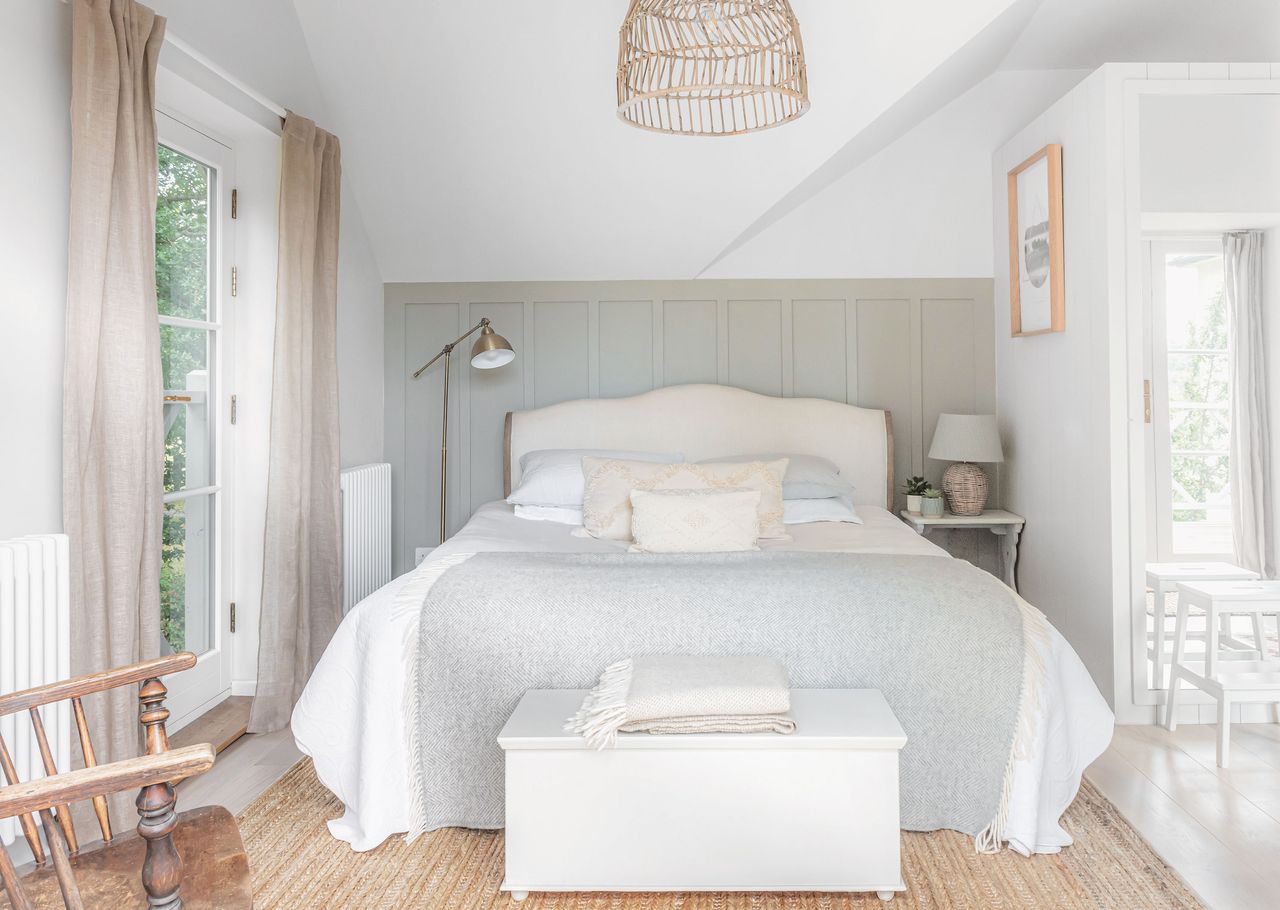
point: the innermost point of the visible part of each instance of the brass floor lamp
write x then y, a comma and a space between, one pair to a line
489, 352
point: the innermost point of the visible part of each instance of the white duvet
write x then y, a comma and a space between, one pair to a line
350, 718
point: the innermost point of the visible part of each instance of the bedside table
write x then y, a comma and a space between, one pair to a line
1004, 525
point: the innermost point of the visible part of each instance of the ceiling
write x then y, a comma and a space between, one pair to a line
481, 143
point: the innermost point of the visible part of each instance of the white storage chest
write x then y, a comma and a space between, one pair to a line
816, 810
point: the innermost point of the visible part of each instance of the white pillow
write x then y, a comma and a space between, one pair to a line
808, 476
553, 477
695, 521
606, 509
559, 514
803, 511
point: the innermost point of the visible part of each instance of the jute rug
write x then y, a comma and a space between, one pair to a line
297, 864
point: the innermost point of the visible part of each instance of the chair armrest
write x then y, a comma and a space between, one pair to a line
129, 774
80, 686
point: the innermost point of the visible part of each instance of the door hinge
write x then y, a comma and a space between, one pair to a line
1146, 401
233, 281
235, 204
233, 617
234, 406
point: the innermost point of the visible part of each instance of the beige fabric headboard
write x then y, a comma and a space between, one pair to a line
705, 421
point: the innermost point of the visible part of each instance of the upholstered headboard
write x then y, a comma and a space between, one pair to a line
705, 421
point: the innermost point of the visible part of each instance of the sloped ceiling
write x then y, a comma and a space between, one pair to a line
481, 141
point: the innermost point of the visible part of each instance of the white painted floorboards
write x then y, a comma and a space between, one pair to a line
1219, 829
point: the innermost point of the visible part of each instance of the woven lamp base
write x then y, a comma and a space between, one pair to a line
966, 487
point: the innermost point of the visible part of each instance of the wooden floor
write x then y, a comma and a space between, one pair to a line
220, 726
1220, 830
242, 771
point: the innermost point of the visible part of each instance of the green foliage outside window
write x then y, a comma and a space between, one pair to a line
1200, 378
182, 282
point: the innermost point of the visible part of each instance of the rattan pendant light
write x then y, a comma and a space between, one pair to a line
711, 67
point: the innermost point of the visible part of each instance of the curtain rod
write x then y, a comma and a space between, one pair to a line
268, 107
221, 73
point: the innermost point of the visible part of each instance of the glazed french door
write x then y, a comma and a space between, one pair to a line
193, 288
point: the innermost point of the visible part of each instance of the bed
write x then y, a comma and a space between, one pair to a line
353, 717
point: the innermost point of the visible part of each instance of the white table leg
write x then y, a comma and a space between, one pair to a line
519, 895
1211, 644
1179, 649
1160, 599
885, 895
1008, 553
1224, 730
1259, 639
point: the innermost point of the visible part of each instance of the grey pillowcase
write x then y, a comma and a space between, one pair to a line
807, 477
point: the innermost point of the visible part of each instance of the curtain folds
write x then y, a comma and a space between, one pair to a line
302, 551
1252, 524
112, 437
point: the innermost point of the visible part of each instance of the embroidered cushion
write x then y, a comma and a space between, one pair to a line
694, 521
606, 507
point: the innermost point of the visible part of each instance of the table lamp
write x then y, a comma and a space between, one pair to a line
966, 439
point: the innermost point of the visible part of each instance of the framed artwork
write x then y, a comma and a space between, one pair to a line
1037, 286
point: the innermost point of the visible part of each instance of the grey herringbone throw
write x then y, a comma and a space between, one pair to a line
941, 639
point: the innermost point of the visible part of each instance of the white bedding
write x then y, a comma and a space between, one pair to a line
350, 718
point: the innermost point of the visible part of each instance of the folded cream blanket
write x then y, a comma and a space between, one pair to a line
684, 694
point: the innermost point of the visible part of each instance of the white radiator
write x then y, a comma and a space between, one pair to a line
35, 649
366, 531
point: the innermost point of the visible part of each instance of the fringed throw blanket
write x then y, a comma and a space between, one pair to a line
955, 652
682, 693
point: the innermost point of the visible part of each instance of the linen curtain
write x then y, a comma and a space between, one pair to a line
112, 429
1252, 526
302, 551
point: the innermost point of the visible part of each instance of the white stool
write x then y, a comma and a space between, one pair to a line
1163, 579
1231, 681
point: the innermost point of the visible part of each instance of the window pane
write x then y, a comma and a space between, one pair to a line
1197, 378
186, 576
182, 236
1195, 307
1198, 390
188, 451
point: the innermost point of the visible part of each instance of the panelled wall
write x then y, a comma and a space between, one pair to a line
917, 347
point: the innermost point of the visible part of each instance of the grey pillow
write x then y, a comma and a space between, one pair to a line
807, 477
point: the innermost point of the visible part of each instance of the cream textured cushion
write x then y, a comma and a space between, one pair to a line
606, 506
695, 521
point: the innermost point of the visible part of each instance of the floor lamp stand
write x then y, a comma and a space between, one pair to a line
490, 350
444, 444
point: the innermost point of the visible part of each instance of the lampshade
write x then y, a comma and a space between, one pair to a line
966, 437
491, 350
711, 67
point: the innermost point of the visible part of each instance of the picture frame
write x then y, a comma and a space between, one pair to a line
1037, 283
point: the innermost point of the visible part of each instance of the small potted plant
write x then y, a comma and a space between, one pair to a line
931, 503
914, 487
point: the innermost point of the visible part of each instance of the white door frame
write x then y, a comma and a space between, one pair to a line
209, 682
1135, 277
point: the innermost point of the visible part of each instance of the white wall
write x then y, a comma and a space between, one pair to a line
1210, 153
921, 208
35, 159
1056, 394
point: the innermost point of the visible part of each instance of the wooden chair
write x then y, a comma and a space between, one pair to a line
194, 859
